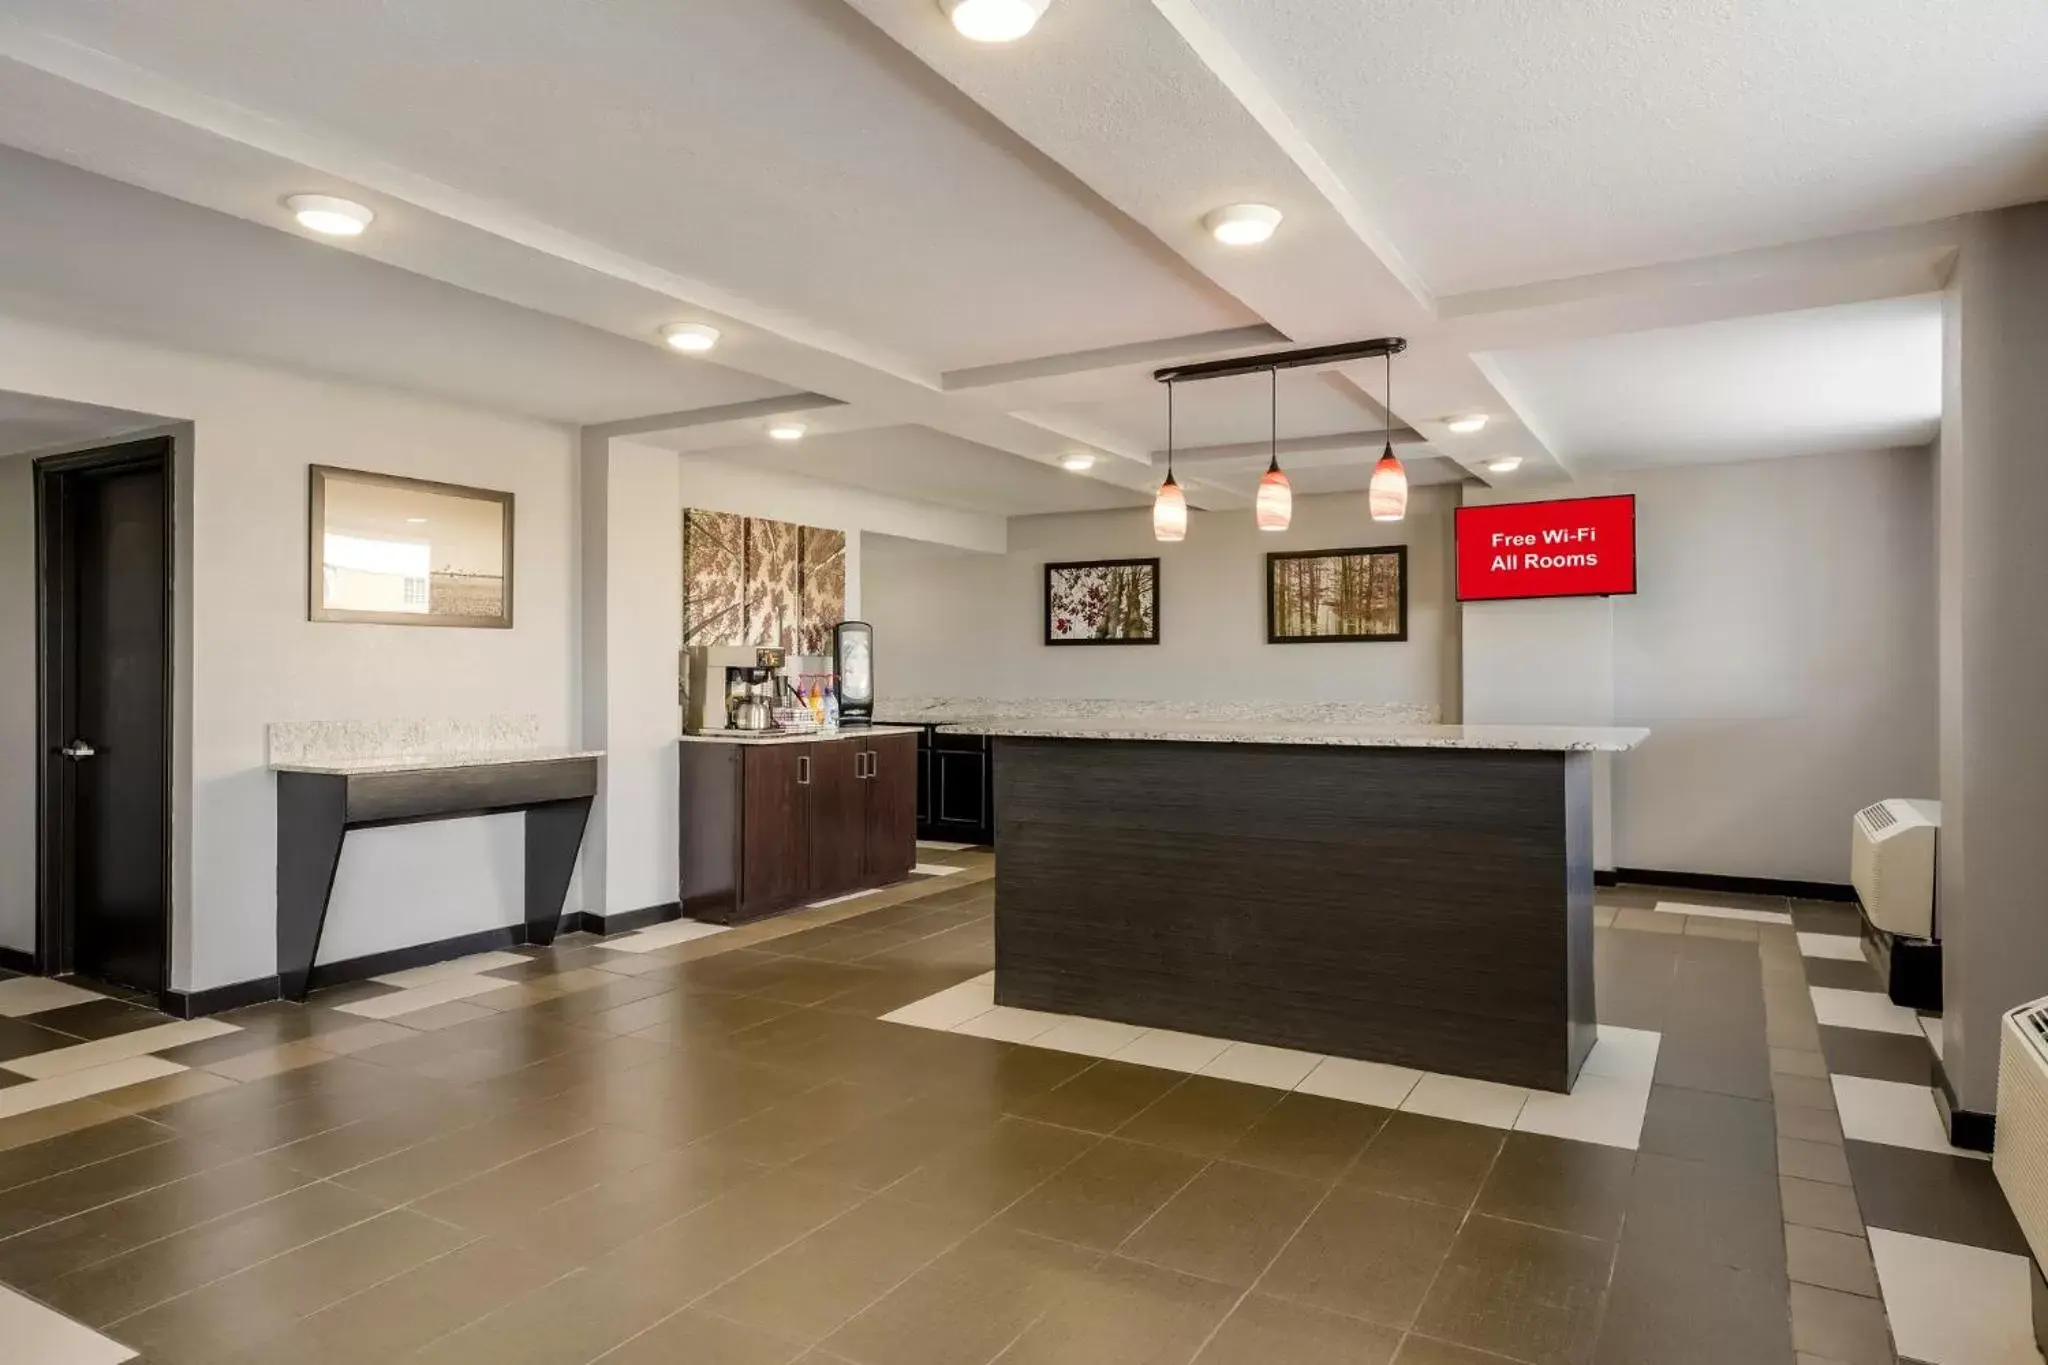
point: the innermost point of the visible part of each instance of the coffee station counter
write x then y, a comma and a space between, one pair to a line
844, 732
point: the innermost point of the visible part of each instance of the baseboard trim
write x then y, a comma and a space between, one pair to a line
418, 955
1605, 876
628, 920
217, 999
1971, 1129
17, 960
1749, 886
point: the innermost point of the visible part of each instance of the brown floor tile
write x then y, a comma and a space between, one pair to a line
1690, 1211
1127, 1312
1837, 1326
1880, 1056
968, 1304
578, 1317
1104, 1195
178, 1262
1831, 1260
1269, 1331
1365, 1254
1514, 1289
1570, 1186
40, 1125
811, 1288
1421, 1350
1808, 1125
1662, 1311
1227, 1224
880, 1152
1932, 1194
262, 1302
454, 1157
99, 1019
1822, 1161
145, 1096
1810, 1092
1715, 1062
994, 1170
1721, 1130
1648, 921
1101, 1099
67, 1150
622, 1208
1809, 1203
502, 1196
1202, 1115
23, 1038
704, 1339
1309, 1136
86, 1187
1419, 1157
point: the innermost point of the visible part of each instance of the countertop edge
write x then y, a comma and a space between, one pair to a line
426, 763
1619, 739
800, 737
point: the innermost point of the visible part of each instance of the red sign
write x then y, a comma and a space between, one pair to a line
1579, 547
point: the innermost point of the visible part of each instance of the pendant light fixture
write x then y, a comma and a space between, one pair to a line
1170, 508
1275, 506
1388, 497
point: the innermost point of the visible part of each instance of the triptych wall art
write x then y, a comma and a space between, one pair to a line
749, 581
1312, 597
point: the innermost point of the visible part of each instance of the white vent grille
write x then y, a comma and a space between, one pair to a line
2021, 1158
1877, 817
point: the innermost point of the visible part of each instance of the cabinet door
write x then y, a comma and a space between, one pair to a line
837, 799
774, 838
960, 794
891, 806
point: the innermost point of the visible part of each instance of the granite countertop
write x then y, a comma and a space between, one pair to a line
1551, 738
413, 763
797, 737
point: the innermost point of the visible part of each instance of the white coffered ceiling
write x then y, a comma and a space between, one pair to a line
961, 262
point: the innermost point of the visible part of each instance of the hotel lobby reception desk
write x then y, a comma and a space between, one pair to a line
1419, 896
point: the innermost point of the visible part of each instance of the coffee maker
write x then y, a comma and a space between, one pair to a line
752, 691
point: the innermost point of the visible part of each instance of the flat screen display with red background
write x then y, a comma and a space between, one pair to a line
1578, 547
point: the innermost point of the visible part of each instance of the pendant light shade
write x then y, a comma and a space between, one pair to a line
1275, 505
1170, 512
1389, 496
1170, 508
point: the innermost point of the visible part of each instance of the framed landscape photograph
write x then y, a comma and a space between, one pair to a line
394, 551
1102, 602
1337, 596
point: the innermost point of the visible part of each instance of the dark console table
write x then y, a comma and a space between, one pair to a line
318, 804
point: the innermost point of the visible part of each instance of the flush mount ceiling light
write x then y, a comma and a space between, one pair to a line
324, 213
1505, 464
1170, 508
690, 336
786, 431
1243, 224
1274, 508
994, 21
1077, 462
1465, 426
1388, 493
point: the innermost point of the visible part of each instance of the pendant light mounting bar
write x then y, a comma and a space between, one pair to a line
1299, 358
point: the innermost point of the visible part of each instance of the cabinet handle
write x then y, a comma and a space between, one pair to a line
803, 770
860, 765
873, 756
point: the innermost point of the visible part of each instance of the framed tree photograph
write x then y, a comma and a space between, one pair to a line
1102, 602
1337, 596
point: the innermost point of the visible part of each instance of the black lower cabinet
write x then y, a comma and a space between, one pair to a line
955, 788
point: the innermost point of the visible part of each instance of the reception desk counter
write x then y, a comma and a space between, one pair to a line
1419, 895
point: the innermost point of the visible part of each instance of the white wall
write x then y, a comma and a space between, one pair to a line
18, 760
255, 658
950, 624
1782, 651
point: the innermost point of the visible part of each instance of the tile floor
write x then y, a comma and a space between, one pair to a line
783, 1142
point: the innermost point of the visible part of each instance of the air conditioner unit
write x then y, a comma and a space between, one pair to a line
1891, 865
2021, 1158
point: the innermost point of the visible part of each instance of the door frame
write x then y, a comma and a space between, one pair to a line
56, 926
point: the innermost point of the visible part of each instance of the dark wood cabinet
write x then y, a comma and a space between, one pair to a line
768, 826
956, 788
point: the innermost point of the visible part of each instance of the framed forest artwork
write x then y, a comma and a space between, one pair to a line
751, 582
1102, 602
1333, 596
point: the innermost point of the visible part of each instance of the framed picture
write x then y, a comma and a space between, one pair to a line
1102, 602
1335, 596
406, 552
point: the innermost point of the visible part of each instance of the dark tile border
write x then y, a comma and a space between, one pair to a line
624, 921
16, 960
1753, 886
1971, 1129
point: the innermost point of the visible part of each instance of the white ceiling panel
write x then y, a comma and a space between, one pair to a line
781, 148
1856, 377
1498, 142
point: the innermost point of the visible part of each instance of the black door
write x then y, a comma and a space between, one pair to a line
106, 646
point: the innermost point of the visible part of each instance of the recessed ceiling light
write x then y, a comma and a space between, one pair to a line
786, 431
1465, 426
326, 214
415, 521
1077, 462
690, 336
994, 21
1242, 224
1506, 464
